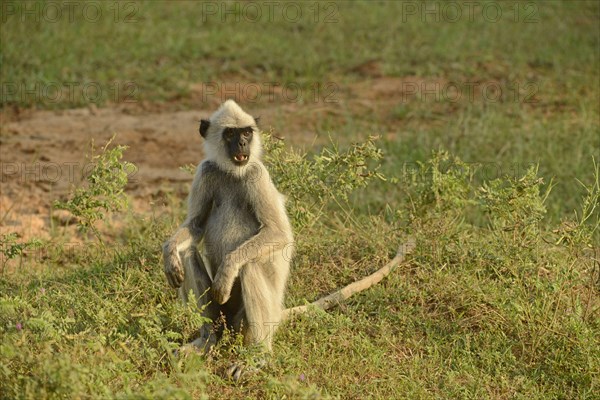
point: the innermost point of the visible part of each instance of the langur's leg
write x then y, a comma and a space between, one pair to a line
197, 279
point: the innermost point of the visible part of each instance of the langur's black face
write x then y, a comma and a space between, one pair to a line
238, 142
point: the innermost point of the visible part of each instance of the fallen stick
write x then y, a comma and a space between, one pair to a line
335, 298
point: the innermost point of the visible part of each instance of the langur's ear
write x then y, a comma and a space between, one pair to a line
204, 124
256, 119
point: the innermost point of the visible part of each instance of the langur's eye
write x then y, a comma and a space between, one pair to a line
246, 134
228, 134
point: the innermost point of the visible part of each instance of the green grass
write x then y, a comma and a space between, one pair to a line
549, 50
510, 310
165, 47
501, 298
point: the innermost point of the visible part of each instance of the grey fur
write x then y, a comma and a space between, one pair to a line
240, 217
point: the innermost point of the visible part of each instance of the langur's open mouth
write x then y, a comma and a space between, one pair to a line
240, 158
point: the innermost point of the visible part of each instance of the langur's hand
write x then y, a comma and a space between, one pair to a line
172, 264
221, 287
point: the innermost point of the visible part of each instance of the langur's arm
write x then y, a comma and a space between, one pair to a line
274, 234
192, 229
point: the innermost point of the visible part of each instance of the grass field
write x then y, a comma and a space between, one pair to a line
489, 132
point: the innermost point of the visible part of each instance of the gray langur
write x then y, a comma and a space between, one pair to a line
237, 218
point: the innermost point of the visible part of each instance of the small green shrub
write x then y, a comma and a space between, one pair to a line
444, 182
105, 190
312, 183
579, 231
11, 249
515, 207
